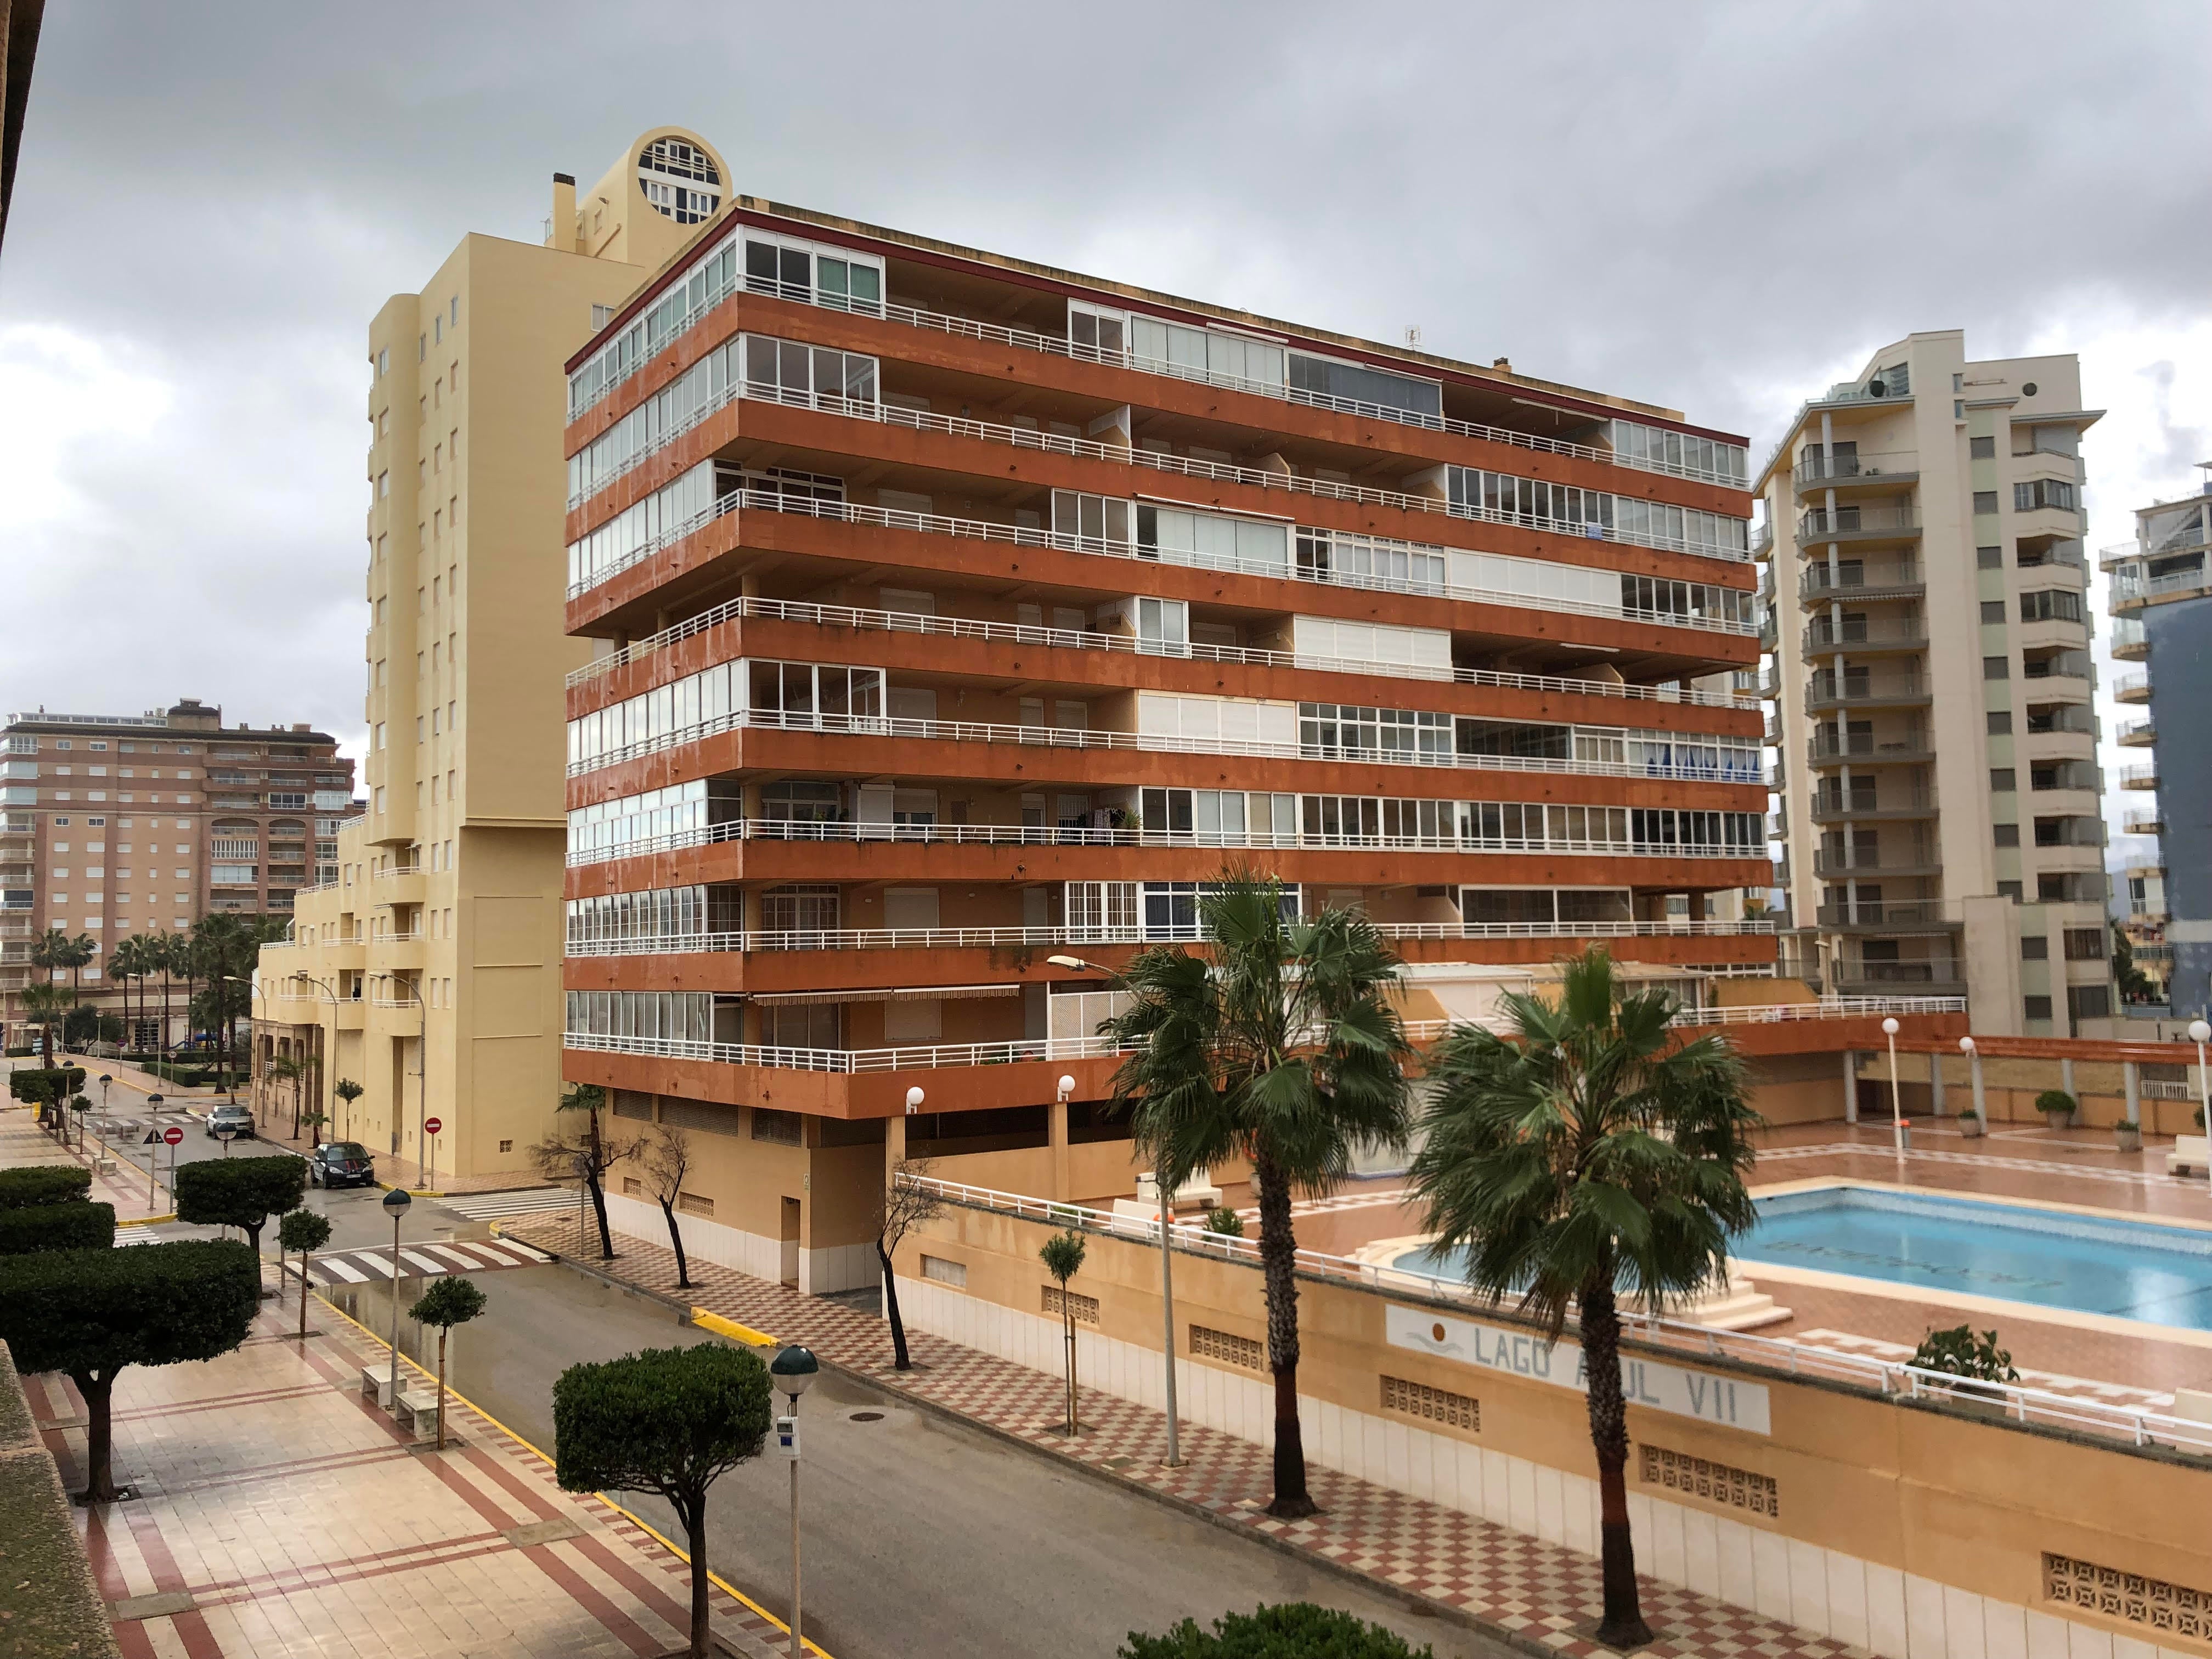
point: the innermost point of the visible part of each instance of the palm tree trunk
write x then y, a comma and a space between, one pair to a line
1622, 1626
1278, 1255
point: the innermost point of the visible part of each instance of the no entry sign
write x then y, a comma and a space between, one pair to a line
431, 1125
174, 1135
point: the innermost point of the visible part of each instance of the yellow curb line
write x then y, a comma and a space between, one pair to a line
145, 1220
707, 1319
712, 1577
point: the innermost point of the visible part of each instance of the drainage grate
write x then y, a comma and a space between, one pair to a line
865, 1417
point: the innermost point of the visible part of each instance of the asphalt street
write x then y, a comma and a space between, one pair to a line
920, 1536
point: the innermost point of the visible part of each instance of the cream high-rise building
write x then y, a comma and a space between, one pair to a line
430, 971
1936, 734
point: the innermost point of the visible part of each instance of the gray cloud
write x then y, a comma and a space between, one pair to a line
1716, 208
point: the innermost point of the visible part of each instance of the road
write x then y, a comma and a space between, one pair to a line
921, 1536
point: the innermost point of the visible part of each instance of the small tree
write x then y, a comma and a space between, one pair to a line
1296, 1628
1959, 1351
240, 1192
2054, 1103
1062, 1256
584, 1157
669, 1421
446, 1303
90, 1313
307, 1231
907, 1204
1224, 1221
76, 1226
347, 1091
665, 1155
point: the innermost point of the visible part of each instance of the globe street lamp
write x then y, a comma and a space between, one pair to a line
791, 1373
1896, 1099
1968, 1047
1167, 1246
395, 1205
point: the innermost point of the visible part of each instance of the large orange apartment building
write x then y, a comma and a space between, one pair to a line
952, 613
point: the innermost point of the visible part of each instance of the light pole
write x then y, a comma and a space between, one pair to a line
1973, 1054
395, 1205
321, 1071
1167, 1247
422, 1068
1896, 1099
791, 1373
153, 1157
2200, 1034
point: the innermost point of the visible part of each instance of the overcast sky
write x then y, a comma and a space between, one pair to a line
1718, 208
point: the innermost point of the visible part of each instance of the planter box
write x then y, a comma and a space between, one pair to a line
2129, 1137
1970, 1127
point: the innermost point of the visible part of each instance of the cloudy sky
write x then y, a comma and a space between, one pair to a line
1716, 207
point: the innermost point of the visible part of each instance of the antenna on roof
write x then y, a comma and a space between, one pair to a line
1412, 334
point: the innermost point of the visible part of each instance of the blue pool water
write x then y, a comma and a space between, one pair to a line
2129, 1269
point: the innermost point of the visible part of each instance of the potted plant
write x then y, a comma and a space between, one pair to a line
1974, 1358
1970, 1125
2129, 1135
2057, 1108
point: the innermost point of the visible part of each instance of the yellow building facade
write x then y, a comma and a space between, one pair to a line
429, 971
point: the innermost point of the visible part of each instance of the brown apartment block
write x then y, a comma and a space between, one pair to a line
952, 613
111, 825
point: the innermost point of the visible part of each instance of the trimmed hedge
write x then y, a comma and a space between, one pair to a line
38, 1085
49, 1606
34, 1185
56, 1227
1295, 1630
240, 1192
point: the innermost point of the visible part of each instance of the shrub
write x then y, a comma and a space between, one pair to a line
1226, 1221
1295, 1630
41, 1086
1961, 1352
73, 1226
43, 1183
2052, 1102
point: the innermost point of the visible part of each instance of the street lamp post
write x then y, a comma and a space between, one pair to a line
321, 1073
791, 1373
2200, 1034
1167, 1249
1896, 1099
422, 1067
395, 1205
1966, 1046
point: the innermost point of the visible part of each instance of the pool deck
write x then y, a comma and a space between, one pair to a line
2020, 1162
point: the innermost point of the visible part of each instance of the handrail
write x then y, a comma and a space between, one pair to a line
944, 938
1020, 834
1070, 639
1896, 1381
1057, 737
937, 1056
888, 414
1048, 345
938, 524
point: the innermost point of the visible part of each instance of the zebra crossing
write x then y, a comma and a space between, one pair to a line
421, 1260
497, 1207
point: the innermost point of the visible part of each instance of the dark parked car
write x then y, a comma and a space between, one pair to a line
341, 1163
236, 1120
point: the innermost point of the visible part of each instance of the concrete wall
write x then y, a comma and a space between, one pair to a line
1915, 1532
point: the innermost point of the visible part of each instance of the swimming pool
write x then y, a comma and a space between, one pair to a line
2126, 1269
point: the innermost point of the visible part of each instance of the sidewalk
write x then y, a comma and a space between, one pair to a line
281, 1513
1538, 1594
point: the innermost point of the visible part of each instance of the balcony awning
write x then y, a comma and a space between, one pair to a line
903, 994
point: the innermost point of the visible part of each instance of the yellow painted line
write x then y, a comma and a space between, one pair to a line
707, 1320
528, 1446
145, 1220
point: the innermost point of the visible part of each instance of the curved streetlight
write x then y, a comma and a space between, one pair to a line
791, 1373
1896, 1099
914, 1099
1076, 964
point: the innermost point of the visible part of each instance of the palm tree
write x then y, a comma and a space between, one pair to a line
1285, 1050
83, 951
347, 1090
49, 951
282, 1068
45, 1002
160, 955
1589, 1148
129, 963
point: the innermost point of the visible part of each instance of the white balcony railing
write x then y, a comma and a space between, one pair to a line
1018, 834
1021, 339
876, 412
1001, 939
1744, 770
938, 524
938, 1056
1072, 639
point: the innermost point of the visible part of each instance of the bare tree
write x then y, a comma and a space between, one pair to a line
907, 1205
665, 1155
584, 1159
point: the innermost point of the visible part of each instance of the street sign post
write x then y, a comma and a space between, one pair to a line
172, 1137
430, 1127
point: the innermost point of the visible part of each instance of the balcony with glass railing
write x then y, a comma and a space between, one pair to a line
1886, 915
1816, 471
2132, 588
1854, 578
1854, 976
1826, 690
1908, 747
2130, 642
2143, 776
1863, 635
2131, 688
1858, 523
2141, 823
2137, 734
1832, 806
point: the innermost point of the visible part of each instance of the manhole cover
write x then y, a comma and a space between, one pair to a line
865, 1417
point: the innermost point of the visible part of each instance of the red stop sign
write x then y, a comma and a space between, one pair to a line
174, 1135
431, 1125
